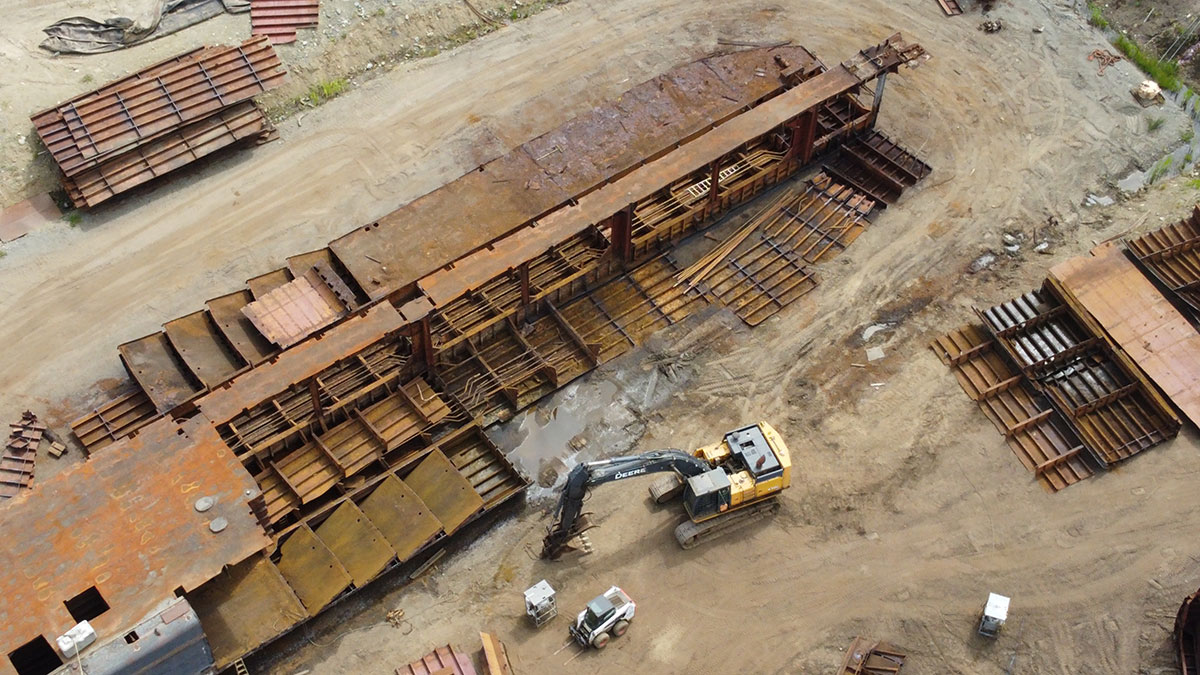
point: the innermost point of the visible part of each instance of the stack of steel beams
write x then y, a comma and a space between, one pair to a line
137, 128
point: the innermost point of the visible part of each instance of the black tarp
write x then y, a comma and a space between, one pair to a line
81, 35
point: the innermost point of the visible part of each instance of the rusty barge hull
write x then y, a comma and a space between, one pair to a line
404, 338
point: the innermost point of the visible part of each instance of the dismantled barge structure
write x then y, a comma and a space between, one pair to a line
1092, 368
324, 424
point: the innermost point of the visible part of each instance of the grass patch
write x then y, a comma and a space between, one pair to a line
1165, 73
87, 78
329, 89
1195, 183
1096, 17
73, 218
1160, 169
3, 253
1155, 123
1187, 136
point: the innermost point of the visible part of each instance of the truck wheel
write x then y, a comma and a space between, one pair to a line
620, 628
601, 641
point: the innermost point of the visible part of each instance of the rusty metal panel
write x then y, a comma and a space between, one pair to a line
153, 364
300, 363
1187, 635
114, 420
125, 522
441, 661
22, 218
203, 348
295, 310
449, 495
265, 283
279, 19
1172, 254
400, 515
445, 224
166, 152
312, 570
139, 110
1138, 319
870, 657
360, 547
227, 313
247, 605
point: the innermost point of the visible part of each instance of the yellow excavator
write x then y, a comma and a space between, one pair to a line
724, 485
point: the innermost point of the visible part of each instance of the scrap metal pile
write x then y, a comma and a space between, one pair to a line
20, 453
869, 657
159, 119
1090, 369
348, 390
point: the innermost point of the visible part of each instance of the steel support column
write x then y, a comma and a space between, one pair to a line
622, 234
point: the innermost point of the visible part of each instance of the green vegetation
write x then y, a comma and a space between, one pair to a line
1160, 169
1097, 16
73, 218
87, 78
1155, 123
1165, 73
1187, 136
326, 90
1195, 183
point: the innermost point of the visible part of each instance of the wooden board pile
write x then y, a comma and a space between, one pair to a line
16, 465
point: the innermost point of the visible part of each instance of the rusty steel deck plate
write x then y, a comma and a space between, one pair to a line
265, 283
870, 657
280, 19
247, 605
450, 496
154, 365
1187, 635
652, 117
1139, 320
226, 312
441, 661
125, 522
312, 570
356, 542
400, 515
22, 218
203, 349
295, 310
446, 224
300, 363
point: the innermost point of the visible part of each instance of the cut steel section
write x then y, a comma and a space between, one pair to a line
870, 657
1172, 254
279, 19
1036, 432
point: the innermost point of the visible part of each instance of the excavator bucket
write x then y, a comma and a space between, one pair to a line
558, 542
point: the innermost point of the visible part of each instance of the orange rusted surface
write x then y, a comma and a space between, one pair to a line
300, 363
125, 522
1143, 323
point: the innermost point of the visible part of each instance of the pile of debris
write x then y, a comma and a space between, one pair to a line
16, 466
865, 657
156, 120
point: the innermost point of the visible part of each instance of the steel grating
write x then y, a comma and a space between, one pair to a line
1114, 412
1172, 255
1036, 432
876, 166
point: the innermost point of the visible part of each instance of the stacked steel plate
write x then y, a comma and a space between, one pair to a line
159, 119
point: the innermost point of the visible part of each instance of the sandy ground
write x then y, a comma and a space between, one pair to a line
907, 506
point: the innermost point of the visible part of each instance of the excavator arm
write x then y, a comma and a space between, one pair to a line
567, 520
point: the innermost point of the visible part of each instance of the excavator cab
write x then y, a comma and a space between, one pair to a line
708, 494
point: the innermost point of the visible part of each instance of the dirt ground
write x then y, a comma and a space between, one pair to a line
907, 507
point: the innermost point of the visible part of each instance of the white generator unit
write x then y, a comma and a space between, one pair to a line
540, 603
995, 613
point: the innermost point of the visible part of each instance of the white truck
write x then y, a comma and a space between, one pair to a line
607, 616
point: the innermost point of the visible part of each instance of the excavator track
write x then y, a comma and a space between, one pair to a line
691, 535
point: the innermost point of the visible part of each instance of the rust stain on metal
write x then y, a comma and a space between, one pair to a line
203, 349
131, 508
398, 512
1138, 320
1172, 254
295, 310
441, 661
154, 365
280, 19
299, 363
114, 420
449, 495
20, 219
